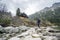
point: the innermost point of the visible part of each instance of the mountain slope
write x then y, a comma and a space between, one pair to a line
50, 14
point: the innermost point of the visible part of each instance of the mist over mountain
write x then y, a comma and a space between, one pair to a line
51, 14
55, 5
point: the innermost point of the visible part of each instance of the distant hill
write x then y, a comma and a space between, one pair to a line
50, 14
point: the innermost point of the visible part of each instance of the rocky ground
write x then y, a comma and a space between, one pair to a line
29, 33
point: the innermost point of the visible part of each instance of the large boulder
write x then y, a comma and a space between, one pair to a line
11, 29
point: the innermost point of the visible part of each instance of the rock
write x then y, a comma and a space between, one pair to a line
35, 36
28, 33
40, 34
12, 29
39, 31
24, 28
54, 26
8, 29
50, 38
49, 28
1, 39
52, 31
2, 30
14, 38
23, 34
32, 38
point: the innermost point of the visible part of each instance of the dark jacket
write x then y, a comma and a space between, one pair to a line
38, 21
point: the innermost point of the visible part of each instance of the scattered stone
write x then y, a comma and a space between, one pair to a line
28, 33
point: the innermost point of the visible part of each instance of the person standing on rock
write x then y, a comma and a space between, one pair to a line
38, 22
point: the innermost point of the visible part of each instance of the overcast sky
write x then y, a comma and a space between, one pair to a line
28, 6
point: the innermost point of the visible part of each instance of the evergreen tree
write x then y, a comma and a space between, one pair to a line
18, 12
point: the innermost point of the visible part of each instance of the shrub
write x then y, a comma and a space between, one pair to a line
5, 22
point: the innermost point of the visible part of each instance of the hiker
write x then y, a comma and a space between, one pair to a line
38, 23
